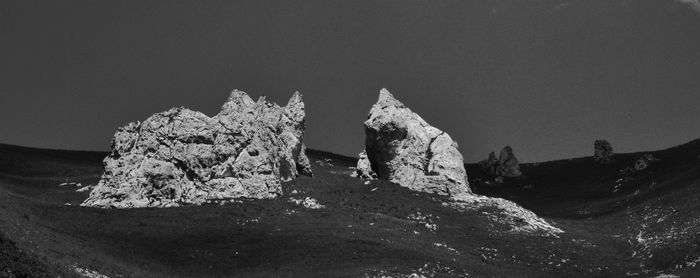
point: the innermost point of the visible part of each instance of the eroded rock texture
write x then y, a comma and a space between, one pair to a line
603, 152
402, 148
182, 156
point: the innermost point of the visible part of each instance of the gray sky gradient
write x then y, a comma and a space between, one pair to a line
547, 77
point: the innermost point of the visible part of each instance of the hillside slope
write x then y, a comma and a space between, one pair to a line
333, 225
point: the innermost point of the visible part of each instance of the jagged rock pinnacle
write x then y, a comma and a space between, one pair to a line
387, 99
182, 156
401, 147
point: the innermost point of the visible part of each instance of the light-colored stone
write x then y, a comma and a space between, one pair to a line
364, 167
182, 156
508, 213
402, 148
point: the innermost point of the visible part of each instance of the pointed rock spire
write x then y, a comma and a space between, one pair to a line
508, 165
402, 148
237, 102
295, 99
387, 99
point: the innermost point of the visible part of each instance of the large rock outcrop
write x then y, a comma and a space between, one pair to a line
182, 156
402, 148
603, 153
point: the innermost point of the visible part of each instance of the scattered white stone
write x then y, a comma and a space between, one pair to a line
84, 188
509, 213
307, 202
442, 245
70, 183
324, 163
243, 222
87, 273
427, 220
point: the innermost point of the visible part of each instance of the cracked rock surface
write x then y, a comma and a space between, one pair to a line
182, 156
402, 148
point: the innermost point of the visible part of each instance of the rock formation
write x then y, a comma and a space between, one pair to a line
402, 148
490, 165
603, 152
643, 161
364, 167
182, 156
508, 165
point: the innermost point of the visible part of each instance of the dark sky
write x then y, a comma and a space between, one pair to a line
547, 77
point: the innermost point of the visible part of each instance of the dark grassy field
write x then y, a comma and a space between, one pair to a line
645, 225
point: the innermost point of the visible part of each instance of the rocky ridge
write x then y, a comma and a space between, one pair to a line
182, 156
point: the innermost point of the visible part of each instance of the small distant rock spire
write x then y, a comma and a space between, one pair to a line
295, 99
490, 164
603, 152
508, 165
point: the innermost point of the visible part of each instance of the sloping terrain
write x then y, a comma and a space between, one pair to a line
616, 223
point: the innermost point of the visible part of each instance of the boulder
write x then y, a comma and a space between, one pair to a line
603, 152
643, 161
508, 165
182, 156
364, 167
402, 148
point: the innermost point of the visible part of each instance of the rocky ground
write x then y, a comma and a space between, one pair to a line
615, 221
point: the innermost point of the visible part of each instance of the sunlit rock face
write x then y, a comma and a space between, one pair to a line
402, 148
182, 156
603, 153
364, 167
